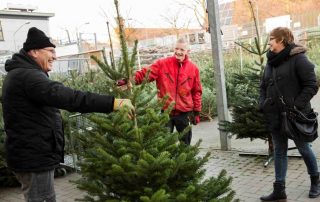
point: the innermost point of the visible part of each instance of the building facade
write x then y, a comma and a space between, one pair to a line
15, 22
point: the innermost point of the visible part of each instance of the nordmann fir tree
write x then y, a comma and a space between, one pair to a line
248, 121
7, 177
133, 158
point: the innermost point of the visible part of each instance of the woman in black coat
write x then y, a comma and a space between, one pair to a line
296, 80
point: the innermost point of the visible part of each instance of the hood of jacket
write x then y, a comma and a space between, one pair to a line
21, 60
297, 49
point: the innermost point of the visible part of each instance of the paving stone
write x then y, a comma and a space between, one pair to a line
251, 179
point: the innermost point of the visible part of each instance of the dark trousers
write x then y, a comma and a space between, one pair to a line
37, 186
180, 122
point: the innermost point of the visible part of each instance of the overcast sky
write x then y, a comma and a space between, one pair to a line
70, 14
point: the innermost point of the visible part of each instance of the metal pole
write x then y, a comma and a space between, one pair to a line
216, 44
78, 34
68, 34
258, 23
95, 41
138, 56
14, 34
241, 59
80, 42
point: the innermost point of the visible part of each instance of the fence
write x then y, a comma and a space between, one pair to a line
80, 65
77, 125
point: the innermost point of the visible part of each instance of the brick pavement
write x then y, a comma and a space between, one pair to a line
66, 191
250, 178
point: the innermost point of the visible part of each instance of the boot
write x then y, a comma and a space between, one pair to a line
278, 194
315, 187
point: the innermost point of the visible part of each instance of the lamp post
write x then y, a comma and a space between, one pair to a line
79, 35
68, 35
146, 34
14, 34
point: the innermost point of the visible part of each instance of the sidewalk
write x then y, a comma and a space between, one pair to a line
65, 191
250, 178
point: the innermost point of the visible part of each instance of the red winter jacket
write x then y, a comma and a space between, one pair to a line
180, 80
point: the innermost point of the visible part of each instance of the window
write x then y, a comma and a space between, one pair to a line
201, 38
1, 33
192, 38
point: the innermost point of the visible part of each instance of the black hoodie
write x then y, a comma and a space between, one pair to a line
33, 124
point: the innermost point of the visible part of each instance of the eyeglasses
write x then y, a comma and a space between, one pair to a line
53, 51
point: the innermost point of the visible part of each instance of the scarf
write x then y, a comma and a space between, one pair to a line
275, 59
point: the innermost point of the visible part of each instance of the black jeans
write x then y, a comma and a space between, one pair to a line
181, 121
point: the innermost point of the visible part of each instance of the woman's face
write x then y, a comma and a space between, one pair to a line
275, 46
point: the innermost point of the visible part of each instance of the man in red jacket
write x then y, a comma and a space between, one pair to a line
177, 77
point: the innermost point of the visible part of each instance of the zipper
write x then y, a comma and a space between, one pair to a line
176, 97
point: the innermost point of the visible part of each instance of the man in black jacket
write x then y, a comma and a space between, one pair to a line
33, 125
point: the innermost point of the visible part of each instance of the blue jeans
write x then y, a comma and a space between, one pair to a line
280, 145
37, 186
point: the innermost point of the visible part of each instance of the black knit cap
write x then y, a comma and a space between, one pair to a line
37, 39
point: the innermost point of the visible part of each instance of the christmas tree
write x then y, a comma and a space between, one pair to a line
7, 177
133, 156
247, 120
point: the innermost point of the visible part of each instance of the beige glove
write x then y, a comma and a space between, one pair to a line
119, 103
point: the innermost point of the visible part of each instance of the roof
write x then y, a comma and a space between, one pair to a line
82, 53
147, 33
29, 14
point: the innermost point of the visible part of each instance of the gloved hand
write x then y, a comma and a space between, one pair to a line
121, 82
124, 84
196, 118
119, 103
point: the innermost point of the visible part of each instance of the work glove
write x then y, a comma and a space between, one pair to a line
196, 118
121, 82
124, 84
120, 103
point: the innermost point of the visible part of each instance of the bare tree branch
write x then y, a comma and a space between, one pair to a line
176, 20
198, 7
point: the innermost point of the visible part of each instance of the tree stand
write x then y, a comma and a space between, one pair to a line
270, 153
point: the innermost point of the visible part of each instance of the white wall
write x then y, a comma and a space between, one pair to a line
279, 21
70, 49
10, 26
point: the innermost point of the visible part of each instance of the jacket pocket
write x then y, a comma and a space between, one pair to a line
183, 82
268, 105
169, 77
47, 140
